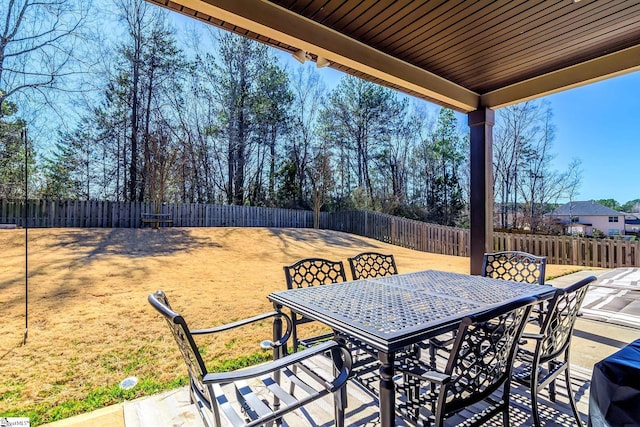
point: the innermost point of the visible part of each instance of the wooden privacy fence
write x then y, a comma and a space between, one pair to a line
568, 250
403, 232
607, 253
565, 250
106, 214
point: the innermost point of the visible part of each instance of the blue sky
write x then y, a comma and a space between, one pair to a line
597, 123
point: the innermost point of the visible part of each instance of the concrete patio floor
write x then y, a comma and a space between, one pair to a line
173, 408
593, 340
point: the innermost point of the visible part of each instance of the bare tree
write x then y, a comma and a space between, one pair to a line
392, 161
37, 44
573, 179
271, 105
519, 129
233, 75
525, 181
320, 175
163, 156
134, 12
308, 96
514, 126
539, 184
149, 69
358, 119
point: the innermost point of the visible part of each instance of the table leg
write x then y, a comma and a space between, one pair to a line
277, 334
340, 397
387, 390
277, 353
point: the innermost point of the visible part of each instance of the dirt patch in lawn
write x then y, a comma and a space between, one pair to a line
90, 324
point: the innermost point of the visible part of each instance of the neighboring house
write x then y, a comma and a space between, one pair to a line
584, 217
632, 223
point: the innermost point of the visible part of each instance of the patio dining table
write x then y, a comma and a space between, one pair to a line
390, 313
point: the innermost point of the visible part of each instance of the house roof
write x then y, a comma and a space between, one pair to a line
587, 208
458, 54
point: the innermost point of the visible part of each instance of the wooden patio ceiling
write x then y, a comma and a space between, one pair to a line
460, 54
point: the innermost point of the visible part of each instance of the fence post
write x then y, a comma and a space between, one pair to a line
393, 231
366, 224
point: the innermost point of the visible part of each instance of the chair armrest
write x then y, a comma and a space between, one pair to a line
442, 343
340, 354
436, 377
426, 374
532, 335
248, 321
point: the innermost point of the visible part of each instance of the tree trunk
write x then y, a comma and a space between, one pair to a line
136, 32
238, 182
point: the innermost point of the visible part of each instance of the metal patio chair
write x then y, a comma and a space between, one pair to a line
516, 266
539, 368
479, 365
255, 396
372, 264
509, 265
311, 272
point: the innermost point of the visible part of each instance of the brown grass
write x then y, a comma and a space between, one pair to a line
90, 324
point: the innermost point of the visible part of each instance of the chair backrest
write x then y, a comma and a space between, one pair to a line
372, 264
183, 337
254, 394
313, 272
482, 355
560, 318
516, 266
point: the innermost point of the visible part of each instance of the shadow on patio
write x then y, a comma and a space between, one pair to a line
173, 408
592, 341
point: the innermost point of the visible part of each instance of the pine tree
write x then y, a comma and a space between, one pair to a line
444, 192
12, 153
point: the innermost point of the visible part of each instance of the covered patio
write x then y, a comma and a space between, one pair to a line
472, 58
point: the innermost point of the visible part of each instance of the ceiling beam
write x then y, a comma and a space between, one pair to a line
280, 24
611, 65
